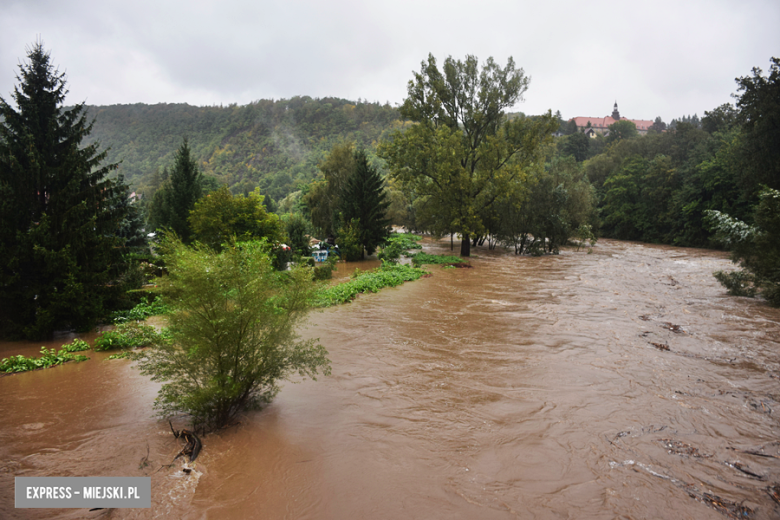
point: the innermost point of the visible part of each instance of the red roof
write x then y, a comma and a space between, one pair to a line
604, 122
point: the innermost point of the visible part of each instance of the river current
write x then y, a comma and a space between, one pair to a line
619, 384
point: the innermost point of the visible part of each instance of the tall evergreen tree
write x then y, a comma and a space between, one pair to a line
364, 199
59, 212
175, 199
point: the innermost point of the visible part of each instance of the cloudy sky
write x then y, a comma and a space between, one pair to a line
667, 58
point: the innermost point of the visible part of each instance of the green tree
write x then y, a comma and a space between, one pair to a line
759, 114
297, 229
59, 211
233, 331
576, 145
324, 196
175, 199
220, 217
463, 153
363, 200
658, 125
622, 130
720, 119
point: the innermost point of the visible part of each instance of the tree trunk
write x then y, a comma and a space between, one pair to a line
452, 242
465, 246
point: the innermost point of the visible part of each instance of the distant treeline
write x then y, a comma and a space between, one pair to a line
273, 145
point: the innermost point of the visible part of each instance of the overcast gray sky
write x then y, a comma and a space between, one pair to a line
666, 58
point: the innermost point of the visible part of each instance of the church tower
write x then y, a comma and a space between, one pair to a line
615, 113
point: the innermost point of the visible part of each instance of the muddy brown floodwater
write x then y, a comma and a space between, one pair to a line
619, 384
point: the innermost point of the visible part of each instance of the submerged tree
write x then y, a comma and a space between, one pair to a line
463, 153
59, 211
233, 331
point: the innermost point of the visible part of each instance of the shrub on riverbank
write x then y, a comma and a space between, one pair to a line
755, 248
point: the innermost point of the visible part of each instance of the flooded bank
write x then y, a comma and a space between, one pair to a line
623, 383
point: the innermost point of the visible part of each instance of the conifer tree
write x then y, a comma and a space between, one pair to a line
175, 199
59, 212
364, 199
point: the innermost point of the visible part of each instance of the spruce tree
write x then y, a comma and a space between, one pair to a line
364, 199
175, 199
58, 209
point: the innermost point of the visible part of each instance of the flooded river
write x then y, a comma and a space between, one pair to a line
619, 384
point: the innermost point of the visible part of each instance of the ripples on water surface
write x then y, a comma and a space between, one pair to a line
522, 388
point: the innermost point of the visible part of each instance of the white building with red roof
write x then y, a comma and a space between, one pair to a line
600, 125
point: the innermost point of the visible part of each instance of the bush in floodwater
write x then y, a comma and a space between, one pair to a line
128, 336
405, 241
77, 345
738, 283
141, 311
349, 241
324, 271
391, 253
389, 275
419, 259
396, 245
583, 234
232, 327
48, 358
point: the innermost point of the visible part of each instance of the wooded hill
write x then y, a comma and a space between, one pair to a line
273, 145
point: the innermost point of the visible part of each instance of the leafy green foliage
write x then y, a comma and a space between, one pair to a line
367, 282
60, 214
421, 258
755, 248
77, 345
559, 200
397, 244
143, 310
219, 217
759, 114
324, 196
406, 241
128, 336
463, 152
324, 270
349, 241
232, 331
297, 229
583, 234
738, 283
48, 358
621, 130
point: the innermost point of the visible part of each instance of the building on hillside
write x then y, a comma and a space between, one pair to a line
600, 125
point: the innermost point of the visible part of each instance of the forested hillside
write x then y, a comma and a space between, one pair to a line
273, 145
